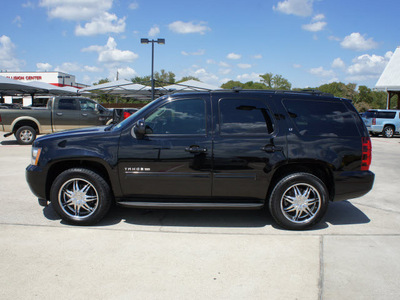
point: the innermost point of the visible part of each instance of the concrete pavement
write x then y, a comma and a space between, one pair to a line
173, 254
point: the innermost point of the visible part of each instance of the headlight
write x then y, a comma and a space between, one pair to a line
35, 155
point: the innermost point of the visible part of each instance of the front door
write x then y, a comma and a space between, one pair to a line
173, 160
67, 114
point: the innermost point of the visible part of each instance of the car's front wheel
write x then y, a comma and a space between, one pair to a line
81, 196
298, 201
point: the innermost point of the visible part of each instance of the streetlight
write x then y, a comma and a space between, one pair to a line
158, 41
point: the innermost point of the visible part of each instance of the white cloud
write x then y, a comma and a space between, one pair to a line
76, 10
338, 63
43, 66
358, 42
314, 27
188, 27
257, 56
334, 38
124, 73
233, 56
297, 66
244, 66
134, 5
302, 8
109, 54
249, 77
197, 53
316, 24
18, 21
154, 31
224, 64
92, 69
368, 66
28, 4
225, 71
322, 72
8, 61
105, 23
68, 67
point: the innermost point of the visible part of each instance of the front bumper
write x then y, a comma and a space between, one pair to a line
355, 184
36, 180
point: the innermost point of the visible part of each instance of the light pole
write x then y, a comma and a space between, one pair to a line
158, 41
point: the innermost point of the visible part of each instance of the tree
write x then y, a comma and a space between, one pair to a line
161, 78
276, 82
186, 78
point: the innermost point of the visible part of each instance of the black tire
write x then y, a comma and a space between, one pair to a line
25, 135
388, 131
81, 196
298, 201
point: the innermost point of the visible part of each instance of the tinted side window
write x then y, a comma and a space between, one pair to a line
186, 116
67, 104
386, 114
321, 118
244, 116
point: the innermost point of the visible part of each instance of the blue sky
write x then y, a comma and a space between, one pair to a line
309, 42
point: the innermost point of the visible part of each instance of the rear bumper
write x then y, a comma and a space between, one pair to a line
350, 185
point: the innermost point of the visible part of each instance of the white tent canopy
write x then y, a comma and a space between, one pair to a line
52, 89
12, 87
390, 78
190, 86
126, 88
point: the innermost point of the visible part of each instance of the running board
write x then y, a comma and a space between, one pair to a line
191, 205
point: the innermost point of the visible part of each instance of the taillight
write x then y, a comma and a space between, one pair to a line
366, 153
126, 114
374, 121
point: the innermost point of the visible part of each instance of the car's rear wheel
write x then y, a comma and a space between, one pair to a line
25, 135
388, 131
81, 196
298, 201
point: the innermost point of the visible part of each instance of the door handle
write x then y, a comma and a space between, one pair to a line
59, 114
271, 148
85, 115
196, 149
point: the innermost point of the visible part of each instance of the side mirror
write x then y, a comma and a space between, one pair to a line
139, 129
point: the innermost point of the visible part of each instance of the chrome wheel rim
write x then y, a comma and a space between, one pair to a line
389, 132
78, 198
300, 203
26, 135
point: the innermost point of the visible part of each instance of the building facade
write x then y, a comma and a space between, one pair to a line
55, 78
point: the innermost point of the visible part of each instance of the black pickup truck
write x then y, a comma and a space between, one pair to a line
290, 151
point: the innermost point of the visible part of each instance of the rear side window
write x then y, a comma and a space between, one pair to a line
244, 117
68, 104
321, 118
386, 114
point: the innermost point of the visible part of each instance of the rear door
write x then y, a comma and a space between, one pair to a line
246, 147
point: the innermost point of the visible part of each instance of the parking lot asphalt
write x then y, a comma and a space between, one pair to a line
200, 254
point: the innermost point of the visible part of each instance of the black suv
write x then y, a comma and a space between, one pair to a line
291, 151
